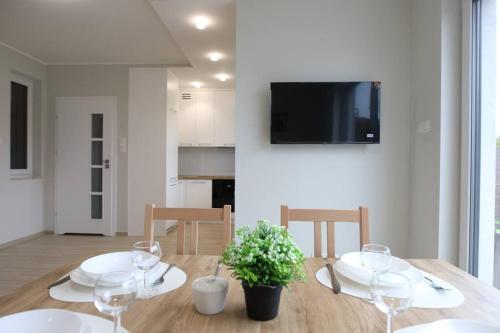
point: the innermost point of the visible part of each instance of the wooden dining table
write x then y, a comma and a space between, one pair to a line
305, 306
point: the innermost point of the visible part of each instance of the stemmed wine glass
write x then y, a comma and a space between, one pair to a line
376, 258
392, 293
114, 293
146, 255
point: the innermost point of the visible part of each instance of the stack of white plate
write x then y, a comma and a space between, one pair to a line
89, 270
349, 267
54, 320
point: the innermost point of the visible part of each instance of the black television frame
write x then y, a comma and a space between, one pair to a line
375, 140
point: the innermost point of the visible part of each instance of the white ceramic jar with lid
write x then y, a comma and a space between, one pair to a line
209, 294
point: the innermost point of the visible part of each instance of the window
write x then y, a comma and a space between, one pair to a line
21, 127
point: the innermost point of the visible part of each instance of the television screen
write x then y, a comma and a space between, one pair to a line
325, 112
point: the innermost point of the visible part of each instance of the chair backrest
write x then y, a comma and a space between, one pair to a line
329, 216
183, 215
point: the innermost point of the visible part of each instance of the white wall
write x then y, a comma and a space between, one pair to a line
147, 125
436, 98
90, 81
324, 40
451, 83
21, 201
426, 104
206, 161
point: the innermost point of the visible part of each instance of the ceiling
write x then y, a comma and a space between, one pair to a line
177, 15
88, 32
142, 32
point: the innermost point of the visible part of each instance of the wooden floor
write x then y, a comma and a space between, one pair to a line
29, 260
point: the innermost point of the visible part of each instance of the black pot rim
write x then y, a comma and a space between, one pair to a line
261, 285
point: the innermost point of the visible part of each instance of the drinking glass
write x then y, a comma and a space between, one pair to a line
114, 293
376, 258
146, 255
392, 293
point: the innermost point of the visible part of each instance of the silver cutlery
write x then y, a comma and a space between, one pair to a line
219, 261
161, 279
434, 285
61, 281
335, 282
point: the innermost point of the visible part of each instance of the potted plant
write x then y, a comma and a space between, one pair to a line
264, 259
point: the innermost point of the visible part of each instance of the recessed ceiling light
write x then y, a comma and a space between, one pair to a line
196, 84
215, 56
222, 77
201, 22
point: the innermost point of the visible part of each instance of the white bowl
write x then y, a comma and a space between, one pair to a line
108, 262
42, 321
350, 266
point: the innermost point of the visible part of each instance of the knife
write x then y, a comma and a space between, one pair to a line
61, 281
335, 281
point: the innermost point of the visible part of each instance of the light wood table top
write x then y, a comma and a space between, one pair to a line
305, 307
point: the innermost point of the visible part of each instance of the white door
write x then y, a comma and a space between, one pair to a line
224, 118
84, 164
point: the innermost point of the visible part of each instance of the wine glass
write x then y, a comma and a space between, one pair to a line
376, 258
114, 293
146, 255
392, 293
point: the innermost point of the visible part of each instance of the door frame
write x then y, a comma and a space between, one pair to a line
114, 156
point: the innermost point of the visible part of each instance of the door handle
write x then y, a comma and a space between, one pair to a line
106, 163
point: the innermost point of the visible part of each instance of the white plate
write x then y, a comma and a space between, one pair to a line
43, 321
80, 277
108, 262
350, 266
452, 326
98, 324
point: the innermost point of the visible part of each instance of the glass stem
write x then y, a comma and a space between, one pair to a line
389, 323
117, 323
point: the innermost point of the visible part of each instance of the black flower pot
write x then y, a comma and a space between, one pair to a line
262, 302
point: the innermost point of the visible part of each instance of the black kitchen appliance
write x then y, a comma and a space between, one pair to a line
223, 193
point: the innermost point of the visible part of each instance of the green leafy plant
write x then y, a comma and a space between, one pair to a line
266, 256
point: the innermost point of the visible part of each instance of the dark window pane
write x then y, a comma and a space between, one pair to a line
96, 180
96, 152
97, 123
18, 126
96, 206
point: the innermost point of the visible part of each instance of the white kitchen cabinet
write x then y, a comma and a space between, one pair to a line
198, 193
186, 119
172, 158
204, 118
224, 121
181, 194
172, 129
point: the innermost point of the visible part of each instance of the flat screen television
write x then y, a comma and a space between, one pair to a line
325, 112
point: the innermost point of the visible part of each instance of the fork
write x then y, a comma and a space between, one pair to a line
435, 286
161, 279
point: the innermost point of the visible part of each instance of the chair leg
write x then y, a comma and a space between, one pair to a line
181, 226
193, 246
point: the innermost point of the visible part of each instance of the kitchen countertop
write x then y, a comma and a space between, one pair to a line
204, 177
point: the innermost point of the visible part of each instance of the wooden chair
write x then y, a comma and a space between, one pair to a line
183, 215
329, 216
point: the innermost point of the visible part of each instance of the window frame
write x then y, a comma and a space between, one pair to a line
28, 172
